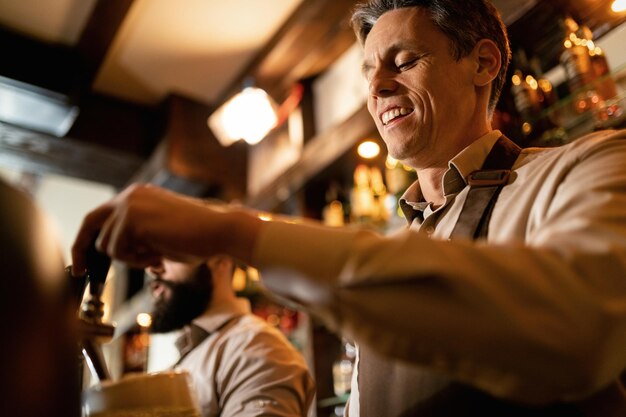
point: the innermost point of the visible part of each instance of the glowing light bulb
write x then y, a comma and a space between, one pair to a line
144, 319
368, 149
250, 115
619, 6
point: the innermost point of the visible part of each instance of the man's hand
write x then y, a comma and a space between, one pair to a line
145, 223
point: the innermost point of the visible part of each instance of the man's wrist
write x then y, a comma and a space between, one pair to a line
240, 230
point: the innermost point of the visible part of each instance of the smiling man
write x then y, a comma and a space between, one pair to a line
505, 295
428, 102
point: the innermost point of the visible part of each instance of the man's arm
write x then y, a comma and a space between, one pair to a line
145, 223
261, 375
536, 321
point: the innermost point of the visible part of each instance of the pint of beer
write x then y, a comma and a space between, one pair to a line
162, 394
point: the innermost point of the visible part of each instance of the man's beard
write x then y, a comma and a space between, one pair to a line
187, 300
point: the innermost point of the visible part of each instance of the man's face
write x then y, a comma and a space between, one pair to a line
181, 293
421, 98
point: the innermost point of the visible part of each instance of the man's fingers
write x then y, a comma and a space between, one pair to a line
89, 229
119, 240
104, 237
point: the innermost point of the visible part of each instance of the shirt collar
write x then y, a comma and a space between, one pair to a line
470, 159
219, 313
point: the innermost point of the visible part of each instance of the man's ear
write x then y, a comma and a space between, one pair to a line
488, 59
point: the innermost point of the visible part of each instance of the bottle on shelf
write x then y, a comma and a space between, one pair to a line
604, 83
379, 192
333, 213
533, 94
343, 368
368, 197
576, 59
588, 74
548, 95
361, 198
524, 88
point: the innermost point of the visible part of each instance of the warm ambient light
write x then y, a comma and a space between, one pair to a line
618, 6
144, 319
249, 115
266, 217
368, 149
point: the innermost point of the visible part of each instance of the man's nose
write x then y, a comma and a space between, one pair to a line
155, 269
382, 83
157, 289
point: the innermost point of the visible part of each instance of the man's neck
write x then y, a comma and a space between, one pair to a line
431, 184
431, 178
221, 295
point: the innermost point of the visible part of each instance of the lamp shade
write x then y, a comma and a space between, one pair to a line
249, 115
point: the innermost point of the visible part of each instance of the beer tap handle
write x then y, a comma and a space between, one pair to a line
76, 288
98, 264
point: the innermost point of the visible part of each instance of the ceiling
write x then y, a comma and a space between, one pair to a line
148, 72
191, 47
195, 48
124, 60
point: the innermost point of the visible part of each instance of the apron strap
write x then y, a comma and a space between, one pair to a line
485, 185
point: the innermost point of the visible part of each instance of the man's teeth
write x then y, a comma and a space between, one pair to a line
393, 113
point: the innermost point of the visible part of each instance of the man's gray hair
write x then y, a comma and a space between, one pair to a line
464, 22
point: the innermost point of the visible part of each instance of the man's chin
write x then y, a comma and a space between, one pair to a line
164, 329
165, 324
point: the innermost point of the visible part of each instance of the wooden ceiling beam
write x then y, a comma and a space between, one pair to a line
46, 65
65, 69
103, 24
315, 35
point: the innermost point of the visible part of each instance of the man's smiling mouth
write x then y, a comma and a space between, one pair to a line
394, 113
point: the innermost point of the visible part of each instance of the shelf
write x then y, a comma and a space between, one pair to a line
333, 401
610, 113
317, 154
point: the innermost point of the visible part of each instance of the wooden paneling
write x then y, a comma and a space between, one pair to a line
25, 150
319, 153
195, 154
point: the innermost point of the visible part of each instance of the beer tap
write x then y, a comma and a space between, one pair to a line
91, 329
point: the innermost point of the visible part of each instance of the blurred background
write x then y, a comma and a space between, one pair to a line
97, 94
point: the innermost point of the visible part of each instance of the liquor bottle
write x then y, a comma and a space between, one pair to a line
379, 192
604, 83
548, 96
576, 60
549, 125
343, 368
533, 94
333, 213
524, 88
361, 197
609, 107
575, 56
